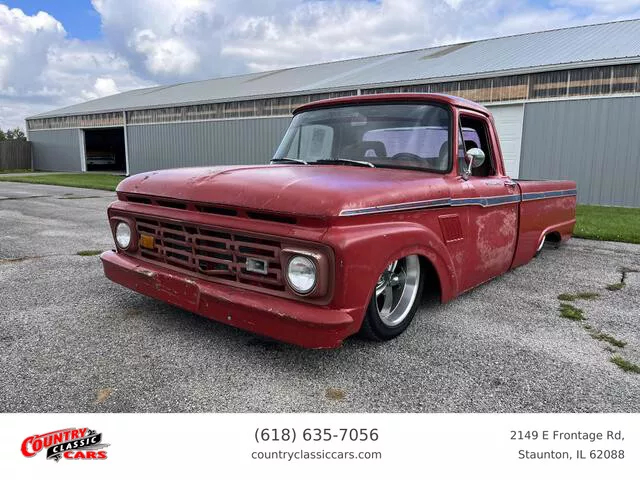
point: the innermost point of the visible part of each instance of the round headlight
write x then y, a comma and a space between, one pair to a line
301, 273
123, 235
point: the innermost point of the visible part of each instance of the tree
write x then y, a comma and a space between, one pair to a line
14, 134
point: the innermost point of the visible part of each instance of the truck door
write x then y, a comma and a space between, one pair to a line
491, 200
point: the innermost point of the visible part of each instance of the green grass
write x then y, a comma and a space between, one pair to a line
603, 337
625, 365
571, 297
571, 312
88, 253
614, 287
616, 224
99, 181
16, 170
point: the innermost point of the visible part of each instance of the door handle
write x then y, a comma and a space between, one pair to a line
510, 183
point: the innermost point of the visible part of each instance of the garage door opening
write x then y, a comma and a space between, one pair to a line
104, 150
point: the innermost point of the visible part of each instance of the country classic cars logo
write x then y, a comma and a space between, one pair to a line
70, 443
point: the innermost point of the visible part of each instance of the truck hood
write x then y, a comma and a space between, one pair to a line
307, 190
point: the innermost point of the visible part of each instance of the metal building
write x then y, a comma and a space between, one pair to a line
566, 104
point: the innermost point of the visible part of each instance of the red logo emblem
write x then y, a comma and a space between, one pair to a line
70, 443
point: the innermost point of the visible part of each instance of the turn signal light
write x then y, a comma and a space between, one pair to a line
146, 241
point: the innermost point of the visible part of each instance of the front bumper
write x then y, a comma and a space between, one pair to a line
294, 322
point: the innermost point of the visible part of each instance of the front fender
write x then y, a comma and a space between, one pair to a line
363, 251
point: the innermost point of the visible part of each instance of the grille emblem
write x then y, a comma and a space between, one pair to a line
256, 265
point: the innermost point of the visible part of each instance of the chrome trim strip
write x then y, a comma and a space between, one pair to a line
458, 202
441, 202
486, 201
527, 197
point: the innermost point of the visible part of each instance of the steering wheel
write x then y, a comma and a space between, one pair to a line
412, 157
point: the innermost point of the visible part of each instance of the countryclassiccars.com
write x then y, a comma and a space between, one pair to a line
367, 199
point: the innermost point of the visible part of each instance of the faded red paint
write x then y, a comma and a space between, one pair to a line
307, 202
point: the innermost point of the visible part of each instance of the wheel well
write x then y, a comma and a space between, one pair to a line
432, 288
554, 237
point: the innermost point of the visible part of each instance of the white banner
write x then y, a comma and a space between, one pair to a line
308, 446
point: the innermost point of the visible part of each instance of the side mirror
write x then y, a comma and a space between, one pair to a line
474, 158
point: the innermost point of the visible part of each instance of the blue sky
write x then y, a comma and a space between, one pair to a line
79, 18
79, 50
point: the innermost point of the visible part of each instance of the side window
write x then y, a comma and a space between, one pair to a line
476, 135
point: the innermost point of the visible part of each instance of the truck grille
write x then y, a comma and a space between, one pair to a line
212, 252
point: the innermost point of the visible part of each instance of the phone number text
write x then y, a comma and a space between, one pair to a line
291, 435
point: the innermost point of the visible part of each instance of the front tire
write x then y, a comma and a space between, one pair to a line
395, 299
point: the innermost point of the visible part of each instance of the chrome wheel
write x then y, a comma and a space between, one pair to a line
397, 289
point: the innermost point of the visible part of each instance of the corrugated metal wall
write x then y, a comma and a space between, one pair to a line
595, 142
228, 142
56, 150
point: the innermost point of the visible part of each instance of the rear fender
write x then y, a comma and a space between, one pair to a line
564, 229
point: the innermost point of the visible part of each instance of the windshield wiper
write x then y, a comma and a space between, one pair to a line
287, 160
333, 161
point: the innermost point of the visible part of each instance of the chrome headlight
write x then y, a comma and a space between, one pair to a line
301, 274
123, 235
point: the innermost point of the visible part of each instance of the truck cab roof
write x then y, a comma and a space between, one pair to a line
394, 97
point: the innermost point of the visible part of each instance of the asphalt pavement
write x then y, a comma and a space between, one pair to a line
72, 341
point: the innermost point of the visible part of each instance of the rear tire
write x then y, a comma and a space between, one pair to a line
395, 299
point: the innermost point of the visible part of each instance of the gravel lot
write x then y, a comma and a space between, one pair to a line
72, 341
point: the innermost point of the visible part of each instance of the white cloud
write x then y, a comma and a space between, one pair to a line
164, 56
165, 40
42, 69
323, 31
102, 87
147, 42
24, 42
454, 3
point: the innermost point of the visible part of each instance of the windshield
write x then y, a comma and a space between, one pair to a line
385, 135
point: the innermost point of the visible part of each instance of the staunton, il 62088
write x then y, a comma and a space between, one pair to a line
366, 198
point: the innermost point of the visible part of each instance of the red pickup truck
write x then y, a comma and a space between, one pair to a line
366, 198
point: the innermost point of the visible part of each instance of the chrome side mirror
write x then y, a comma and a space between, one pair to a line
474, 158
